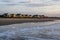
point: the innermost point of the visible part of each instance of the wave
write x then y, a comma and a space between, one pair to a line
25, 32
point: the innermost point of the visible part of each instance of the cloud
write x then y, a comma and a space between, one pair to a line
36, 7
55, 0
34, 2
12, 1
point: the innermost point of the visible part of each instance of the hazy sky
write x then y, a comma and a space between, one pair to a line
46, 7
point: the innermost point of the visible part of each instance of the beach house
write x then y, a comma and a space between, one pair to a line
22, 16
13, 15
7, 15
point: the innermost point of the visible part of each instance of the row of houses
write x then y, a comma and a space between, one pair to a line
22, 16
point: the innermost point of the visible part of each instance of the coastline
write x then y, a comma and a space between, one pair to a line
8, 21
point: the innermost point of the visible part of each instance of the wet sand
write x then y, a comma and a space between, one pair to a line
8, 21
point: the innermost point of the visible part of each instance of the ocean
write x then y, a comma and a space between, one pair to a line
31, 31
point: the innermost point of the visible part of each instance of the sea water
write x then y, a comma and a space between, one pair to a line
31, 31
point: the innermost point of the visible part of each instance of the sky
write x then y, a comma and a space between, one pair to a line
40, 7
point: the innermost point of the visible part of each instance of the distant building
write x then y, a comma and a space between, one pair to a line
41, 16
27, 16
18, 15
7, 15
38, 16
13, 15
30, 16
22, 16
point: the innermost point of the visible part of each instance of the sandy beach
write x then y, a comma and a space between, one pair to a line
8, 21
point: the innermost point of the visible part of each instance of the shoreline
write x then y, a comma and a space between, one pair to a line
9, 21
